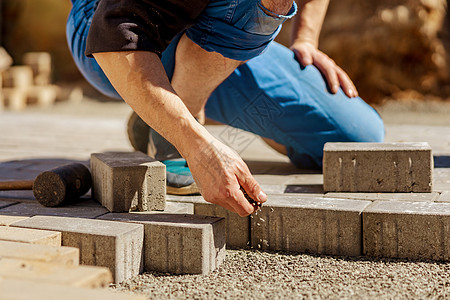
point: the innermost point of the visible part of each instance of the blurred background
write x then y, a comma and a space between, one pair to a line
396, 49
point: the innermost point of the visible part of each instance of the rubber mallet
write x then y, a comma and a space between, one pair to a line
56, 187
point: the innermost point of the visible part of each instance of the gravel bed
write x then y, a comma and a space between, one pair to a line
248, 274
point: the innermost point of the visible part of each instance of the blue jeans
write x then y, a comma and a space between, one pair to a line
271, 95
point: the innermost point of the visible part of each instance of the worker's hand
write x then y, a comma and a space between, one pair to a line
307, 54
220, 172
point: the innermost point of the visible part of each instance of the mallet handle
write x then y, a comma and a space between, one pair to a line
16, 185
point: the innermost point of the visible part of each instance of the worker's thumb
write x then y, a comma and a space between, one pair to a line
253, 189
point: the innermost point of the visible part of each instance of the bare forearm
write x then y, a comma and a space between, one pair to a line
308, 22
140, 79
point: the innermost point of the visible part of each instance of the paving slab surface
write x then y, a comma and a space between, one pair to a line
36, 140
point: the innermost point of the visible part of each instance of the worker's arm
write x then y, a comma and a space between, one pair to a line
140, 79
305, 41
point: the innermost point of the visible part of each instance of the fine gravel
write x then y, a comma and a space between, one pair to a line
249, 274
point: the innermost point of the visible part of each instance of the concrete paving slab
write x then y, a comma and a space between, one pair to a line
29, 209
411, 197
186, 199
413, 230
441, 179
17, 196
117, 246
80, 276
237, 228
179, 244
67, 256
312, 178
128, 181
31, 236
441, 173
8, 220
171, 208
307, 224
273, 188
436, 136
441, 187
377, 167
272, 179
6, 203
26, 289
444, 197
34, 135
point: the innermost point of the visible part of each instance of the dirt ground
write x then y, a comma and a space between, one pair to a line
248, 274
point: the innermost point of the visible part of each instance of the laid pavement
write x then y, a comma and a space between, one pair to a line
39, 139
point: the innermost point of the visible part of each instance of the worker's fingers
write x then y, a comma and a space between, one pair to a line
346, 83
252, 187
334, 75
327, 67
240, 204
303, 56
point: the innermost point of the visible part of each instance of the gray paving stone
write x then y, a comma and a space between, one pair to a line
17, 196
444, 197
82, 276
8, 220
411, 197
115, 245
441, 187
67, 256
29, 209
377, 167
26, 289
441, 173
6, 203
128, 181
237, 228
414, 230
171, 208
306, 179
441, 179
272, 179
185, 199
30, 236
307, 224
273, 188
179, 244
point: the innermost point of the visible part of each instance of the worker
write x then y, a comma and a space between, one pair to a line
175, 61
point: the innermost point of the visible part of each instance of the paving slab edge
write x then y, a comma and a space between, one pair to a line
394, 208
421, 208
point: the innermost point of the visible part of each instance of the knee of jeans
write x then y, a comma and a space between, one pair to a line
367, 127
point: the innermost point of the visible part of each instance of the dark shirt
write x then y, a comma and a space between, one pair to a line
145, 25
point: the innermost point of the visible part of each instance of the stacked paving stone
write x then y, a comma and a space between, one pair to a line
5, 63
134, 231
174, 243
26, 84
34, 265
139, 229
378, 202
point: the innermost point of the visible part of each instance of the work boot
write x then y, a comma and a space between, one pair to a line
143, 138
